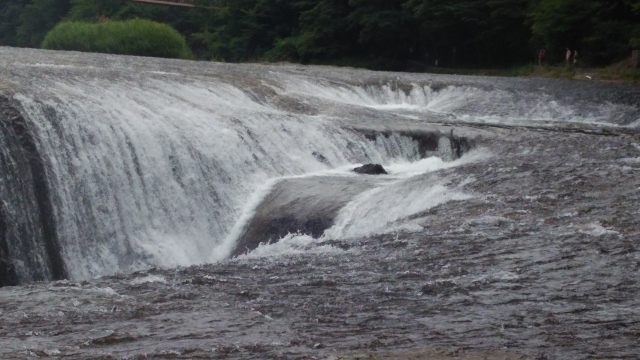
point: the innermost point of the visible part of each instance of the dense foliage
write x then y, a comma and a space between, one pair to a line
131, 37
386, 34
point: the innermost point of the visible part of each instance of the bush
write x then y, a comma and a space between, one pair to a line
132, 37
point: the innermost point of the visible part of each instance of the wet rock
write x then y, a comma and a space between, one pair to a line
29, 246
321, 158
370, 169
303, 206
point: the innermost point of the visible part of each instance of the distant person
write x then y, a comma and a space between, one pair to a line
575, 57
539, 57
567, 56
542, 56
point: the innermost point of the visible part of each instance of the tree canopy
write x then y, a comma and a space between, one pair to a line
381, 34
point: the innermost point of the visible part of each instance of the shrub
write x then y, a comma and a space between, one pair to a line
131, 37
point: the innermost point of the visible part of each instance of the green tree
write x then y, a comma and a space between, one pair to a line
10, 11
102, 10
241, 30
600, 30
38, 18
385, 30
381, 34
95, 10
634, 42
324, 31
473, 32
130, 37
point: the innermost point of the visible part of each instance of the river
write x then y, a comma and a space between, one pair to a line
159, 208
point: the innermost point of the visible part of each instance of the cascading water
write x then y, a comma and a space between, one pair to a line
142, 177
145, 162
154, 172
471, 103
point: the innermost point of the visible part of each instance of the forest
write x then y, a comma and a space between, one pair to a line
376, 34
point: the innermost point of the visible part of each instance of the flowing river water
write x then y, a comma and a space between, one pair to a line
170, 209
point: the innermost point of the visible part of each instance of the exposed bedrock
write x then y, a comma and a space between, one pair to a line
304, 205
8, 275
29, 247
310, 205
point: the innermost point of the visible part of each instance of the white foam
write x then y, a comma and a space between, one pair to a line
291, 244
148, 279
383, 97
55, 66
163, 73
408, 169
400, 169
387, 209
596, 229
108, 291
225, 248
634, 160
634, 124
374, 211
465, 103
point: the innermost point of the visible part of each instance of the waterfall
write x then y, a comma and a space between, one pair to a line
156, 173
113, 164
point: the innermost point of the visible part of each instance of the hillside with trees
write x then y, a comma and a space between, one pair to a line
379, 34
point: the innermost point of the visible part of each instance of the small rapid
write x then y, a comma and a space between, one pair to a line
394, 203
400, 204
472, 103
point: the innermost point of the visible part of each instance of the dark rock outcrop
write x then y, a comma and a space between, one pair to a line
429, 142
459, 145
370, 169
8, 274
321, 158
29, 247
304, 205
310, 205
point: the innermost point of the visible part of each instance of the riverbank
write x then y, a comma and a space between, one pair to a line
618, 72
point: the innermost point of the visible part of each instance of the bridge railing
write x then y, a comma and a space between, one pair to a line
186, 3
209, 4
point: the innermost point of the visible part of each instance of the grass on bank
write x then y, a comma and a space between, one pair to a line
618, 72
132, 37
621, 71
